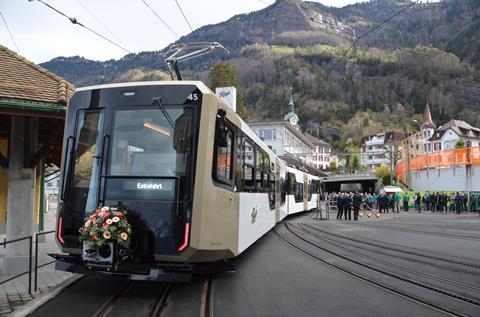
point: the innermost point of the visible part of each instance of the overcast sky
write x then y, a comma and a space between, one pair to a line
41, 34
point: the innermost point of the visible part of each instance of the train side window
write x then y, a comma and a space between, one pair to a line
271, 187
223, 158
259, 170
298, 192
249, 165
290, 184
266, 172
284, 190
239, 166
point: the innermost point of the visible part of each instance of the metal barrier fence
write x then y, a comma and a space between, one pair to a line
36, 256
29, 272
30, 259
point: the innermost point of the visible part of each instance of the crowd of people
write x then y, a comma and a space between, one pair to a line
385, 202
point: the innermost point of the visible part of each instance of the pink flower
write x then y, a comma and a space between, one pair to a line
103, 214
115, 219
107, 235
124, 236
104, 225
109, 221
119, 214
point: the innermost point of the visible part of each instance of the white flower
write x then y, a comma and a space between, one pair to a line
115, 219
109, 221
105, 209
87, 223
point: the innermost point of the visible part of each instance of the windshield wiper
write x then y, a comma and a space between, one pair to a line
158, 102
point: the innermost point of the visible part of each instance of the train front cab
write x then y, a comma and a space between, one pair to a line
133, 146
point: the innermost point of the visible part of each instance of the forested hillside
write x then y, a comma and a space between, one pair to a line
430, 52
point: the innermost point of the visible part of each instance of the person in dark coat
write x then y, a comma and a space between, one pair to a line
383, 203
433, 202
464, 201
418, 202
347, 206
340, 206
357, 202
458, 203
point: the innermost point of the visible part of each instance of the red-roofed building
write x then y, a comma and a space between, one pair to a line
33, 102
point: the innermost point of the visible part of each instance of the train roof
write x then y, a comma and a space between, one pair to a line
203, 88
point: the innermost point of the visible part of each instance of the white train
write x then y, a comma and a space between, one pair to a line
199, 186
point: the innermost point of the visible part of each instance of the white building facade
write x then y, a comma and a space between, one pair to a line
450, 134
381, 149
284, 139
322, 153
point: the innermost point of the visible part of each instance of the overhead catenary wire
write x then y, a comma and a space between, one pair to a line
10, 33
373, 29
75, 21
175, 34
264, 2
184, 16
100, 22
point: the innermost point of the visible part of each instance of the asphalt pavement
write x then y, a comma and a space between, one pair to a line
403, 265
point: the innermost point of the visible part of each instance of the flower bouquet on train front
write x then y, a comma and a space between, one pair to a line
107, 225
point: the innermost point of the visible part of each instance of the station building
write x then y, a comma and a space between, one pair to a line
32, 111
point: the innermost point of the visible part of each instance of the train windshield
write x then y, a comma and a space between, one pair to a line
151, 142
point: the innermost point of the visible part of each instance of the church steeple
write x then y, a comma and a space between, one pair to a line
427, 119
291, 105
291, 116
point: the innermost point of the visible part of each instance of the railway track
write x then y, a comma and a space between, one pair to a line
151, 299
456, 305
372, 257
126, 300
403, 249
427, 232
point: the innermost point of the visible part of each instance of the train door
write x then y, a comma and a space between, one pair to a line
278, 196
305, 191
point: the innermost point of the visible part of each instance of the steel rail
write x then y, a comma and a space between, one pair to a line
433, 233
391, 264
415, 252
399, 277
369, 280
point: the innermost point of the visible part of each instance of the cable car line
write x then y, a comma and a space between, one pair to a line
180, 8
11, 35
75, 21
161, 20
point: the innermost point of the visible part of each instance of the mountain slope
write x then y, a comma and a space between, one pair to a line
424, 54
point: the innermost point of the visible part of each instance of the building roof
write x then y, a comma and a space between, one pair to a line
316, 141
388, 137
288, 126
20, 79
427, 119
460, 127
